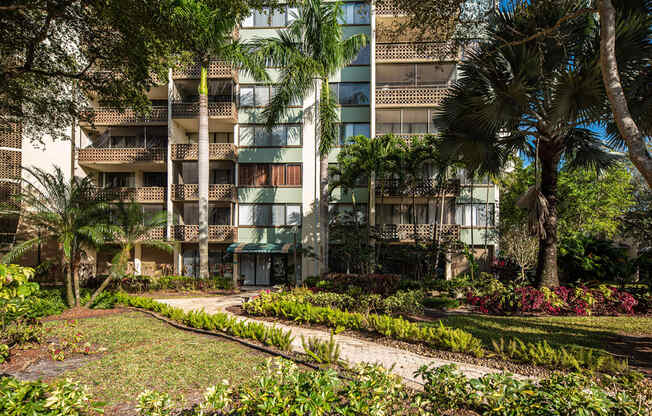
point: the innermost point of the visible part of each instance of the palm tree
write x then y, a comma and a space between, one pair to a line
212, 39
538, 96
310, 51
129, 225
54, 208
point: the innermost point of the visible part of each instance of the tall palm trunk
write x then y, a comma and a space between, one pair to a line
203, 166
65, 268
323, 208
75, 278
547, 259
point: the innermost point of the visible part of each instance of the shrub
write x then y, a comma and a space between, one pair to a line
498, 394
152, 403
323, 352
441, 302
380, 284
38, 398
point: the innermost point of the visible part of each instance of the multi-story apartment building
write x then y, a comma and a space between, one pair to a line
264, 185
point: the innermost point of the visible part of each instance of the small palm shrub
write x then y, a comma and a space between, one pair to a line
323, 352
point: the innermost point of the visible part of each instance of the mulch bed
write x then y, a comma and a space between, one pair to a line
83, 313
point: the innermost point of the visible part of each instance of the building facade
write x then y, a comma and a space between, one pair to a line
264, 186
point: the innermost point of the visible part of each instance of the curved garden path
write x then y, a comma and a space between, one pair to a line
353, 350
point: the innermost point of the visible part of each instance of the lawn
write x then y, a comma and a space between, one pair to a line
144, 353
586, 331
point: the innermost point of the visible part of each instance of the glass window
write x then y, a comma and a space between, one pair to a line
248, 21
348, 130
363, 57
261, 17
354, 14
278, 136
247, 96
117, 180
475, 215
247, 135
155, 179
350, 93
294, 136
278, 214
293, 215
434, 74
395, 74
262, 137
262, 214
246, 214
261, 96
388, 121
293, 13
415, 120
278, 18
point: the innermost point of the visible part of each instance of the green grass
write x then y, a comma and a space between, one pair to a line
585, 331
144, 353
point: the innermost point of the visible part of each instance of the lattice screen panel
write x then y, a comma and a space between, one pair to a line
216, 151
426, 96
12, 136
107, 116
216, 69
224, 233
221, 110
10, 164
413, 52
126, 154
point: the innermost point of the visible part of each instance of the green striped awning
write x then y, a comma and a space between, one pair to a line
261, 248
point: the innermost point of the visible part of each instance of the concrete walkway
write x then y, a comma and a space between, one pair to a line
353, 350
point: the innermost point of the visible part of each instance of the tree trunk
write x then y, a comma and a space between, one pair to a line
123, 256
547, 275
75, 280
638, 152
323, 209
70, 298
203, 166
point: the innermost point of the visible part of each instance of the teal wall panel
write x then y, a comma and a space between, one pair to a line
268, 195
270, 155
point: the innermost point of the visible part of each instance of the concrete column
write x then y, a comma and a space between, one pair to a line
138, 256
138, 178
448, 271
372, 110
176, 259
310, 190
170, 165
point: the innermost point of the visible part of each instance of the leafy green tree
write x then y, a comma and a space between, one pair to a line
211, 25
129, 225
535, 96
55, 208
309, 52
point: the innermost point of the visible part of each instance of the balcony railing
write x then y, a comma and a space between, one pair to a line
122, 154
216, 192
426, 187
222, 233
410, 96
420, 232
110, 116
216, 151
388, 8
216, 109
416, 52
138, 194
216, 69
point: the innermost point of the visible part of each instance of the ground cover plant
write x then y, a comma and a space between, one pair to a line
142, 283
141, 353
291, 307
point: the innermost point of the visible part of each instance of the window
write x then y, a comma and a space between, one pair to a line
218, 137
354, 13
263, 174
348, 130
159, 179
363, 57
219, 216
346, 211
259, 96
279, 136
271, 17
269, 215
411, 75
116, 180
405, 121
475, 215
351, 93
220, 176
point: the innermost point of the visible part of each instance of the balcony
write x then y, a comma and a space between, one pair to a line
216, 109
139, 194
216, 233
423, 188
388, 8
421, 232
216, 69
417, 52
410, 96
122, 154
216, 151
216, 192
110, 116
157, 233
